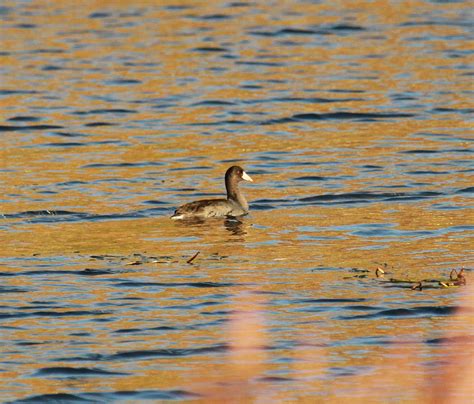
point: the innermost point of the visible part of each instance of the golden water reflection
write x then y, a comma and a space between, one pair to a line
352, 119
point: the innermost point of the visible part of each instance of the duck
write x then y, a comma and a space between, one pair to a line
234, 205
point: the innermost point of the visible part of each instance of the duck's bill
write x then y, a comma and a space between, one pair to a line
246, 177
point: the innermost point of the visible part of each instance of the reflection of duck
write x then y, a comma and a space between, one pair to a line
202, 227
235, 204
235, 227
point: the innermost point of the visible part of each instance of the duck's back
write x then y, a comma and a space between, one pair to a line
208, 208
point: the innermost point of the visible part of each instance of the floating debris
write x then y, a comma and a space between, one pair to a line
217, 257
408, 280
106, 257
446, 284
379, 272
363, 273
459, 279
456, 278
418, 286
189, 261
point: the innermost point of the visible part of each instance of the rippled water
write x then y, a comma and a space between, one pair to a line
353, 121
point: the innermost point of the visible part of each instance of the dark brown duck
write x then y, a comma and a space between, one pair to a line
234, 205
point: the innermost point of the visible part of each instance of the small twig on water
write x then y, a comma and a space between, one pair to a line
189, 261
418, 286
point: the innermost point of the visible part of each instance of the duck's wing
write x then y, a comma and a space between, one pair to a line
204, 208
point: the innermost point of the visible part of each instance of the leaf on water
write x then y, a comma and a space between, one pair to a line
379, 272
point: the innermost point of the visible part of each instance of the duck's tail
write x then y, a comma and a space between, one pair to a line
177, 216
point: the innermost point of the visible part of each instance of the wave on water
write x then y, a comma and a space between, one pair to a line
94, 397
413, 312
147, 354
65, 371
12, 128
56, 216
349, 198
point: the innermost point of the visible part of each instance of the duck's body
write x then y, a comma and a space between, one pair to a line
234, 205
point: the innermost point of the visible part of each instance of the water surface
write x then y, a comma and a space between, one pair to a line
353, 121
